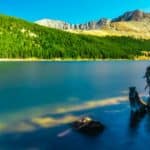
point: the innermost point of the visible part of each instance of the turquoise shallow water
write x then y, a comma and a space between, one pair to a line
38, 100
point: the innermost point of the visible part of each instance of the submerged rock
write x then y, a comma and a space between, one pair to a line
88, 126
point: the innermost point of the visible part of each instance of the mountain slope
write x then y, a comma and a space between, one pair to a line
21, 39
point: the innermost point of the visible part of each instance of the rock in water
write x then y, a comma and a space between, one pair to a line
88, 126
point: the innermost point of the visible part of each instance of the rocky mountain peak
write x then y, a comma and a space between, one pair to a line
135, 15
52, 23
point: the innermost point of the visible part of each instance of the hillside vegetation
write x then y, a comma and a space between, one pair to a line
21, 39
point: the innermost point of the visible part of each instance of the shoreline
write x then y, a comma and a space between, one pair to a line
64, 60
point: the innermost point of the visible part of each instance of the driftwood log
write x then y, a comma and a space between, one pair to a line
136, 103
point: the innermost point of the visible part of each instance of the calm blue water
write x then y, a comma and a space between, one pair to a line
38, 100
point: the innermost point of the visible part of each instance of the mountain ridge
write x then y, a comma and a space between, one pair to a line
136, 16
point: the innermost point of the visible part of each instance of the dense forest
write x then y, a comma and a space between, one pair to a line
21, 39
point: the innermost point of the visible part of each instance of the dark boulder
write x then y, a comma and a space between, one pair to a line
88, 126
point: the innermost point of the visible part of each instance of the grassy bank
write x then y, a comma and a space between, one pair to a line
68, 60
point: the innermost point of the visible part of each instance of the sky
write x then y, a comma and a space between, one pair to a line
72, 11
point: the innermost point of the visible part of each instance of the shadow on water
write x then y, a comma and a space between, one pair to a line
62, 137
53, 131
47, 138
135, 119
135, 122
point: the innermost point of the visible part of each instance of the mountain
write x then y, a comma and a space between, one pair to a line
57, 24
136, 15
134, 23
22, 39
67, 26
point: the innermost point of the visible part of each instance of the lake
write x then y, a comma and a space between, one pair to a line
39, 100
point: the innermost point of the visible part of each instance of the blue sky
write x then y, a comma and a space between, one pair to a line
73, 11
